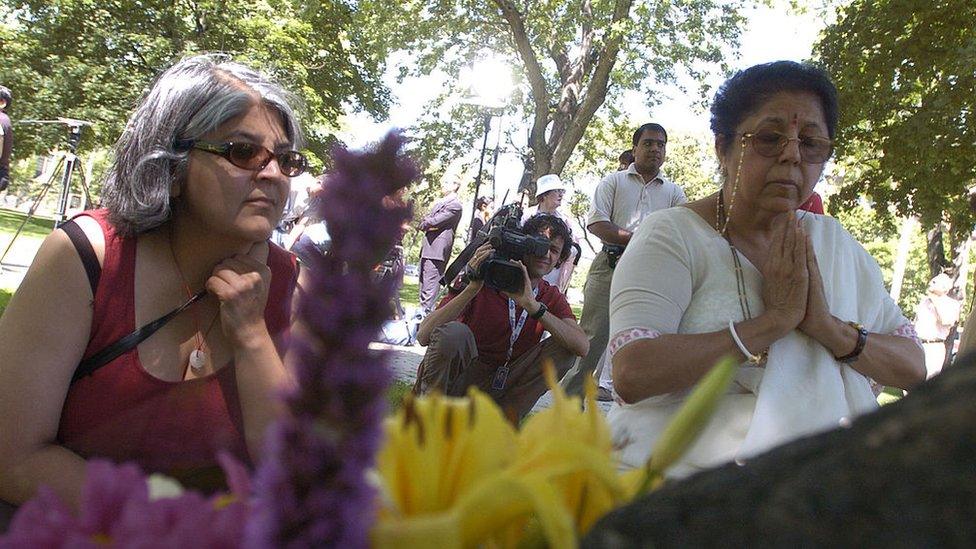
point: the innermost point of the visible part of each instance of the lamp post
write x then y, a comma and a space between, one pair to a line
489, 83
481, 165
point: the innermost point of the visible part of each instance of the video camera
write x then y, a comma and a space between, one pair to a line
504, 233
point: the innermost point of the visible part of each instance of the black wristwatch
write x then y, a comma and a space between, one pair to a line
542, 310
862, 338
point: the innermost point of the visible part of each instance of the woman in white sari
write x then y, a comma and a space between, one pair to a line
742, 273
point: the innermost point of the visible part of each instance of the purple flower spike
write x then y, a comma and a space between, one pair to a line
311, 488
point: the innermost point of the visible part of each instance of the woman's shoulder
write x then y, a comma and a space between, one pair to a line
678, 222
97, 228
829, 235
825, 228
678, 233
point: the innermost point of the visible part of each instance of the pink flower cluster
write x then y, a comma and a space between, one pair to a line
116, 511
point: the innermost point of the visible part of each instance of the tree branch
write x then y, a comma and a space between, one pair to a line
596, 90
561, 58
540, 96
584, 61
571, 77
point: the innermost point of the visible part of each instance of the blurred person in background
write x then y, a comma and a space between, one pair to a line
549, 194
438, 226
6, 137
482, 213
935, 316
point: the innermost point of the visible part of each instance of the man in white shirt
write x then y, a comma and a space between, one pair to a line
620, 203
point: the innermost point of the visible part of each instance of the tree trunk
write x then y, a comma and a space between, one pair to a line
582, 89
901, 258
935, 252
903, 476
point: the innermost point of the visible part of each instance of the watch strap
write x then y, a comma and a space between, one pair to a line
862, 339
542, 310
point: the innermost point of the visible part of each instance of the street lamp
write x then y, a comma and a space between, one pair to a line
489, 82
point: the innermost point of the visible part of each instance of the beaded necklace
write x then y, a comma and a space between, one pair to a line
722, 226
722, 217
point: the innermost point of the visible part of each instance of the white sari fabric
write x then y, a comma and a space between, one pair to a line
677, 276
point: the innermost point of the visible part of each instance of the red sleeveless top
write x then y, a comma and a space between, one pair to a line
123, 413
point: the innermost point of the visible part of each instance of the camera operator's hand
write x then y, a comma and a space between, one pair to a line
524, 299
480, 255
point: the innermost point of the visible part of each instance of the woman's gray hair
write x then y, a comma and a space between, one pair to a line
190, 99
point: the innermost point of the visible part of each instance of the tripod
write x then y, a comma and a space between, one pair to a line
66, 166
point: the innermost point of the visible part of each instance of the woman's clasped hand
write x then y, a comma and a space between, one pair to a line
786, 278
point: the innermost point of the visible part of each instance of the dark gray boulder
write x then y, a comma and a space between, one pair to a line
904, 476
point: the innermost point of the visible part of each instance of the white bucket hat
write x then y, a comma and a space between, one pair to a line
546, 183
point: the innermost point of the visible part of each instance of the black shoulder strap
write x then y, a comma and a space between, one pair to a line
113, 351
461, 261
579, 252
85, 252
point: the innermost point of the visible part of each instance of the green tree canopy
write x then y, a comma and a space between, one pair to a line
569, 58
92, 59
692, 165
906, 73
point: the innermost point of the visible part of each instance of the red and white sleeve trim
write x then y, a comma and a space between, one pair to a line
907, 330
627, 336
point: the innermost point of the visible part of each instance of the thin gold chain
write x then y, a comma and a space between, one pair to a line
720, 204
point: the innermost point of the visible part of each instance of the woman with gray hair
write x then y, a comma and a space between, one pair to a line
150, 330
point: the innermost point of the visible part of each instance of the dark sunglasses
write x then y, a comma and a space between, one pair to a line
250, 156
813, 150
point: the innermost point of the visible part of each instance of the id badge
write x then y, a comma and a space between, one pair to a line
498, 382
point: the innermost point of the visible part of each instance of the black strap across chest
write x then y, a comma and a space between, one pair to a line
94, 271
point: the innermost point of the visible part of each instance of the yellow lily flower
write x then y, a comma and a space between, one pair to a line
436, 447
444, 477
573, 448
454, 473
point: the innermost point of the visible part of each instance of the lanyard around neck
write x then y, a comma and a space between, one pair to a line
516, 326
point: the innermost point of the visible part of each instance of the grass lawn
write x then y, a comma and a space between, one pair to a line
5, 294
410, 293
409, 300
889, 395
23, 249
396, 393
27, 243
36, 228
